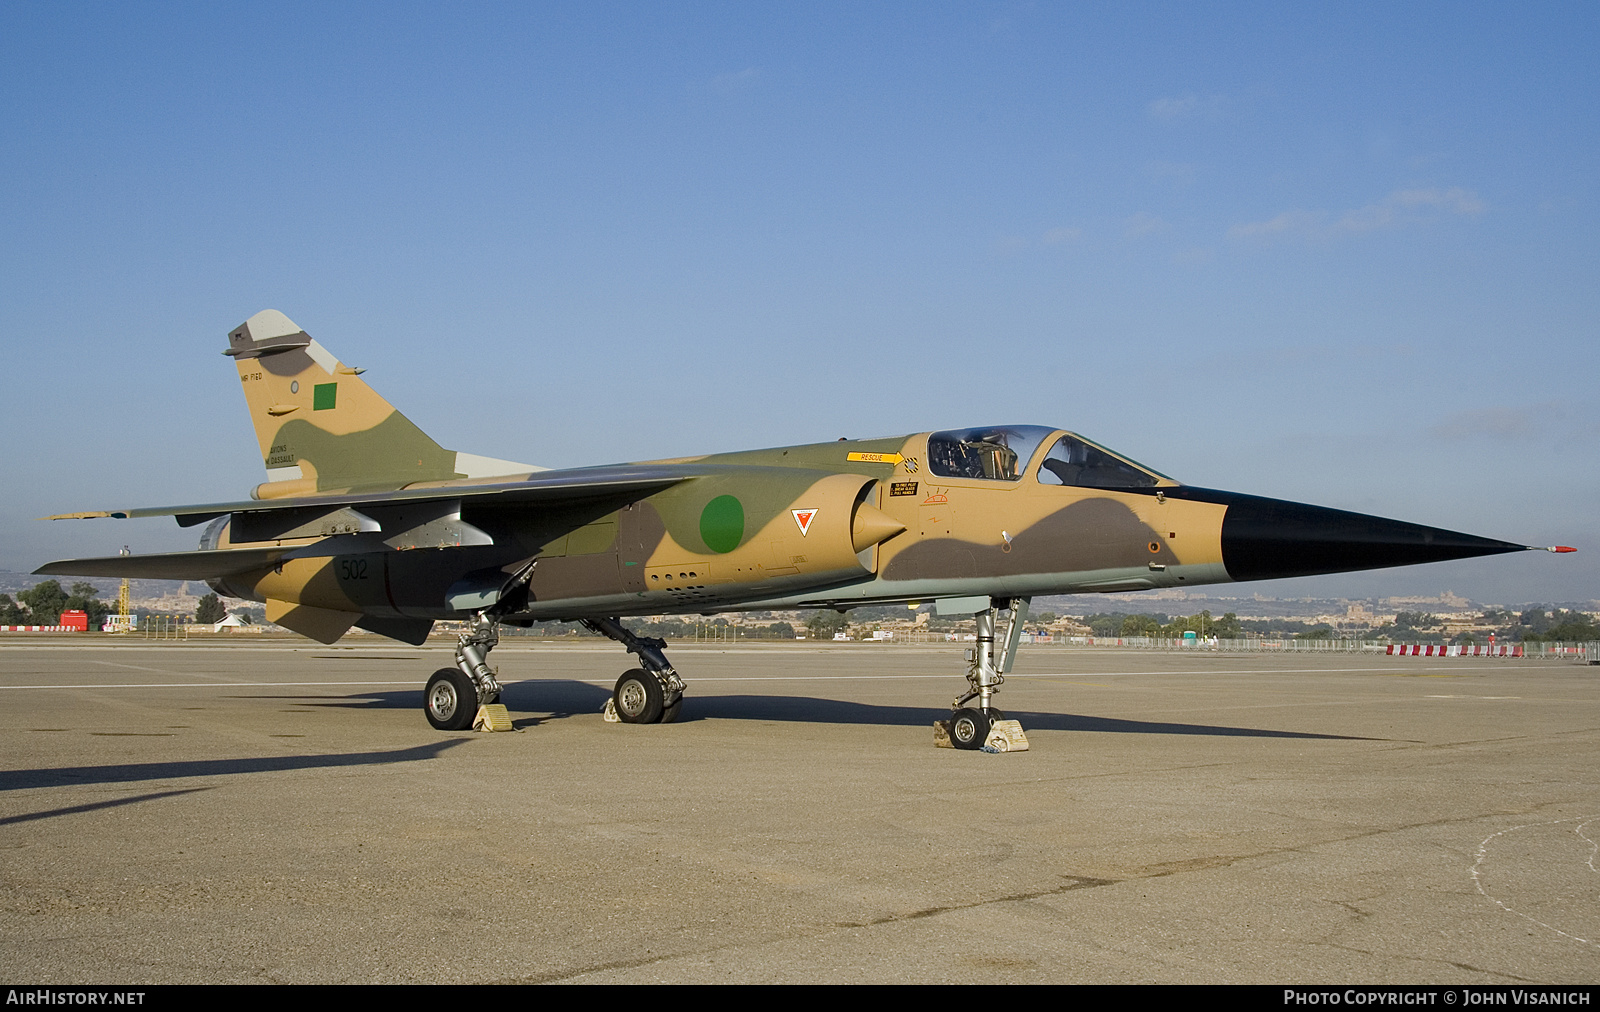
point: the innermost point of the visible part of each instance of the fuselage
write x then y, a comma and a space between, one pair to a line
1008, 511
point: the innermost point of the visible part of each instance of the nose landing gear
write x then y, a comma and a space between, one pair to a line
986, 672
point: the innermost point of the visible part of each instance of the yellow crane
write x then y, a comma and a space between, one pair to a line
122, 621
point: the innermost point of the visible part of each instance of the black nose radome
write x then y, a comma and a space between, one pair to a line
1267, 539
1264, 539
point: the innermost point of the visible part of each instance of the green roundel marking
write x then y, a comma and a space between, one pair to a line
722, 523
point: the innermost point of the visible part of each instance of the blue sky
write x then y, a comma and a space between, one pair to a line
1342, 254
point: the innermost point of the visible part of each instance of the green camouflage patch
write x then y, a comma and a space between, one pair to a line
389, 455
722, 523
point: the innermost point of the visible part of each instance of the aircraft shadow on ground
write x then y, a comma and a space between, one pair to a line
97, 805
66, 776
561, 698
833, 711
556, 697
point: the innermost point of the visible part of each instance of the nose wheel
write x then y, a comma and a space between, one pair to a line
987, 665
969, 726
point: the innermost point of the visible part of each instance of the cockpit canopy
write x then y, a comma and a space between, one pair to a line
995, 453
1000, 453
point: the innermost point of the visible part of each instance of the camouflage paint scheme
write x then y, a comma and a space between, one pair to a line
367, 521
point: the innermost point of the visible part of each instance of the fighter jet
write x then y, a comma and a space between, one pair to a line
365, 521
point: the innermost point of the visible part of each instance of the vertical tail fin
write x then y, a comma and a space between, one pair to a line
321, 428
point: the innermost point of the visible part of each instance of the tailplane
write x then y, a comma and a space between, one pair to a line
322, 428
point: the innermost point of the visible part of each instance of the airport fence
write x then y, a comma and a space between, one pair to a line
1581, 652
1232, 646
1547, 651
1550, 651
164, 627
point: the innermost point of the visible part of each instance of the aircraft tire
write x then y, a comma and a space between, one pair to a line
969, 728
637, 697
669, 714
450, 700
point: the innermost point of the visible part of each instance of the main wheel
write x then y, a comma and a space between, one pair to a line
638, 697
969, 728
450, 700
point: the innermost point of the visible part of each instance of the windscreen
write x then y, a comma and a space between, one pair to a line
1074, 461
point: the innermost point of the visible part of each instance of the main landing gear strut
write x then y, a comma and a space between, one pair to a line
454, 694
986, 671
652, 694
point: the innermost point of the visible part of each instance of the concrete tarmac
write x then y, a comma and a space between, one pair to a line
277, 811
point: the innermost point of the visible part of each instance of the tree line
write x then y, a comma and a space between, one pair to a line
1534, 624
43, 604
1118, 623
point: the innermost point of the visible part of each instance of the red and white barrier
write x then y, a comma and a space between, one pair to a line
39, 628
1456, 650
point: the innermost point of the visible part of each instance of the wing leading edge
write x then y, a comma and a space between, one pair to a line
344, 528
548, 486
